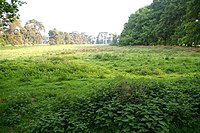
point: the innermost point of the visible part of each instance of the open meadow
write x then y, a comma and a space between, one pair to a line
99, 89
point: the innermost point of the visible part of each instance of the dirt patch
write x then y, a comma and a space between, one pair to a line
194, 50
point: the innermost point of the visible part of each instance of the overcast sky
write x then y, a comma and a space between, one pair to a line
90, 16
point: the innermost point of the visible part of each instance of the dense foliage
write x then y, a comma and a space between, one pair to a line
16, 34
8, 11
99, 88
8, 14
59, 37
165, 22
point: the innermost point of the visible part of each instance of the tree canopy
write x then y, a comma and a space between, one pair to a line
59, 37
9, 22
33, 33
9, 11
165, 22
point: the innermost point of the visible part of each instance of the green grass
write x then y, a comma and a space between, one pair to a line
66, 87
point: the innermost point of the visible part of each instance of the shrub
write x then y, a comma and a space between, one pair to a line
125, 105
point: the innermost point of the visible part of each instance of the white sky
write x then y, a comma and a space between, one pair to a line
90, 16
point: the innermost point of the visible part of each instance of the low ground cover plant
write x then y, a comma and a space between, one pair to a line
99, 88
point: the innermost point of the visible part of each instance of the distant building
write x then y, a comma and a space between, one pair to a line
104, 38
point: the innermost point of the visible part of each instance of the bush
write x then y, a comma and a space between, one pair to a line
125, 105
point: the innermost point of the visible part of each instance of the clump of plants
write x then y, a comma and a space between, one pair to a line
124, 105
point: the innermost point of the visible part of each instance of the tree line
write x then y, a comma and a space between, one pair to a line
33, 33
59, 37
164, 22
13, 33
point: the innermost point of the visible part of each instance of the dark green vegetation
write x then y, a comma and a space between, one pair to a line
8, 14
9, 11
165, 22
99, 88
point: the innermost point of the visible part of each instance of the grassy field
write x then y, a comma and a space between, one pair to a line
99, 88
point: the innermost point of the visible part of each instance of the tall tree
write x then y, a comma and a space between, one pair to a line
168, 22
34, 31
84, 38
56, 37
15, 33
53, 36
8, 13
188, 31
115, 39
68, 38
59, 37
170, 19
137, 30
